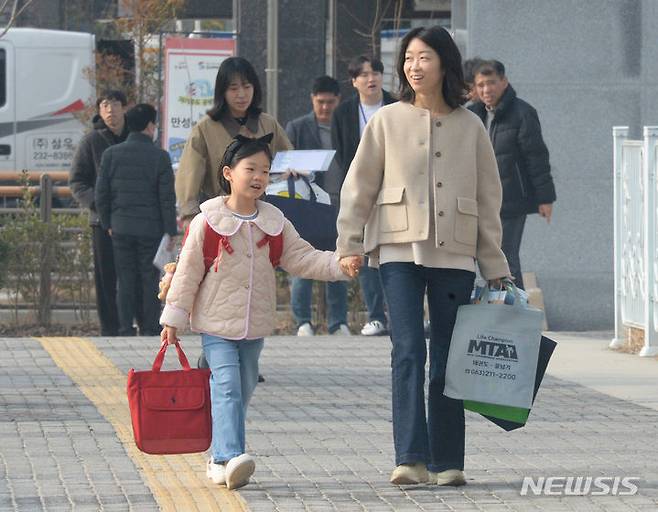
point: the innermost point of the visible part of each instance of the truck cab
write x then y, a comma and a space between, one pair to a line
42, 88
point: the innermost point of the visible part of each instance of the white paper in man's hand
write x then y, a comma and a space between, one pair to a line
166, 252
301, 160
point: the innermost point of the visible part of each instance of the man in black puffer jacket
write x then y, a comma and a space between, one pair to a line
522, 156
136, 203
109, 129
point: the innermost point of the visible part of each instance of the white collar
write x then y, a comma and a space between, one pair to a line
220, 218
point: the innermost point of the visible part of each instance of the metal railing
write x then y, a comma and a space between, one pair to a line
635, 233
45, 190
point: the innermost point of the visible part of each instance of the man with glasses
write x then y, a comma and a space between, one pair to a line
109, 129
348, 122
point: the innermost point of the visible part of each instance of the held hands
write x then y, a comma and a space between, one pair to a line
168, 335
350, 265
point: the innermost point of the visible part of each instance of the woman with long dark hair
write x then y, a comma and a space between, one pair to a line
236, 110
424, 186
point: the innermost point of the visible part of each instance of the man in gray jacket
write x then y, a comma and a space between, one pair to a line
136, 203
313, 131
109, 129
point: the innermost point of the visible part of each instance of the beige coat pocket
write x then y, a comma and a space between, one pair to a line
392, 213
466, 221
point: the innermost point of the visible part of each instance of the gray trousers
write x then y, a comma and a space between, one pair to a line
512, 235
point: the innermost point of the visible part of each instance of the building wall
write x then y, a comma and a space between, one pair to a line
301, 49
585, 66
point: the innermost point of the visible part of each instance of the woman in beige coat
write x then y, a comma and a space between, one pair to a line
236, 111
422, 198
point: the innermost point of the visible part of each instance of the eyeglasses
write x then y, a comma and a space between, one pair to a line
105, 104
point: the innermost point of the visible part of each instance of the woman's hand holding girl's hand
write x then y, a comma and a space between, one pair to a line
168, 335
350, 265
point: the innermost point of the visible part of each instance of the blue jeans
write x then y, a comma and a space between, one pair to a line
373, 295
301, 296
234, 367
436, 439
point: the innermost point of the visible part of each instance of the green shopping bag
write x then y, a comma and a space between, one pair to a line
500, 412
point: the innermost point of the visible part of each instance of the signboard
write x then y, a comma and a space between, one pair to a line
50, 150
190, 70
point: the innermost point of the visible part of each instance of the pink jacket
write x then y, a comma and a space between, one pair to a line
238, 299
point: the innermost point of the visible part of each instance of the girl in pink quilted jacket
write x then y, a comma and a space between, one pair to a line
232, 303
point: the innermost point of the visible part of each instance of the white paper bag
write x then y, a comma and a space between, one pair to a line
164, 255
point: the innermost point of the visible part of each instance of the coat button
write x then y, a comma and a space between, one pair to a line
439, 184
438, 124
248, 255
441, 243
437, 154
441, 213
246, 286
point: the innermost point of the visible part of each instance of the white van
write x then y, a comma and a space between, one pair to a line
42, 86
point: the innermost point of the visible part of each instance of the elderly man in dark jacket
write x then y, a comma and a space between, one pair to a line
109, 129
136, 203
522, 156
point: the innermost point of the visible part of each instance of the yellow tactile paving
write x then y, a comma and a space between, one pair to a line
178, 482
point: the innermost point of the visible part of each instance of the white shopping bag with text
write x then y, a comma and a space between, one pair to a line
493, 353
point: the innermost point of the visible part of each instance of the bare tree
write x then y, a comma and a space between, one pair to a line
371, 29
142, 21
13, 14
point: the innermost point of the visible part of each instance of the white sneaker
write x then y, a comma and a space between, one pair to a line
216, 472
306, 329
342, 330
238, 471
374, 328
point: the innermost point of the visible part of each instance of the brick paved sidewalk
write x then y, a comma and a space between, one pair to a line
56, 451
320, 430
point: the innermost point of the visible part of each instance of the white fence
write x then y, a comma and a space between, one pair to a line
636, 225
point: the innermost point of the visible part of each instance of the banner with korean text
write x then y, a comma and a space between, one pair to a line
190, 70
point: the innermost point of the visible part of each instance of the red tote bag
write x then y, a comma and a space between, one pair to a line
170, 411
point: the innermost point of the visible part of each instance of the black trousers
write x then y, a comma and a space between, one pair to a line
512, 235
138, 282
106, 282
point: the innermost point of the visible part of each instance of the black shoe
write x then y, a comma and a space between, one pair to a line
261, 378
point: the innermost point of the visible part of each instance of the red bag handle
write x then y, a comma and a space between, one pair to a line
159, 359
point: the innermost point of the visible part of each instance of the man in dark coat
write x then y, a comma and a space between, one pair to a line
522, 156
109, 129
348, 122
136, 203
